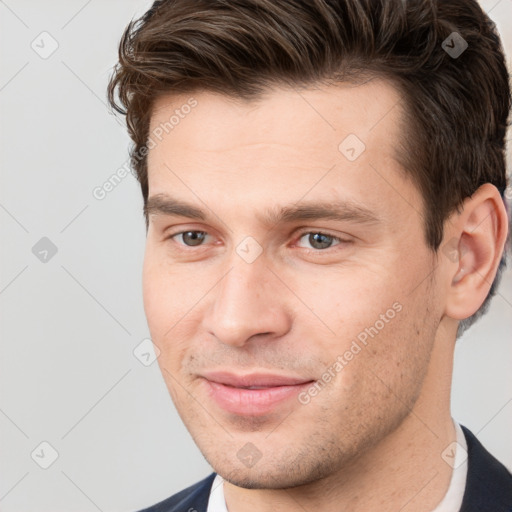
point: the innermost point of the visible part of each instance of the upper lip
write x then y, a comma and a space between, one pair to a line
253, 379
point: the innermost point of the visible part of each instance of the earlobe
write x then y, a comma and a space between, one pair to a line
477, 238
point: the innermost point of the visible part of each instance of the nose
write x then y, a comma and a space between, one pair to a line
248, 303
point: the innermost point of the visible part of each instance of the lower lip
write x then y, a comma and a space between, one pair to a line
252, 402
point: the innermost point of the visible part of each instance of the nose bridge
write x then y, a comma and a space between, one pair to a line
245, 304
240, 292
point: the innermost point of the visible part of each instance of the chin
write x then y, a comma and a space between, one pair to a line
276, 474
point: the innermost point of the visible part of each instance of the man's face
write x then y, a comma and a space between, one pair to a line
291, 341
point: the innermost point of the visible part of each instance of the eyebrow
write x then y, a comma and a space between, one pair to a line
163, 204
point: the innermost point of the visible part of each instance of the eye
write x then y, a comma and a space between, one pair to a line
190, 238
319, 241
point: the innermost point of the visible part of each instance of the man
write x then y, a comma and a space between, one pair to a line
323, 185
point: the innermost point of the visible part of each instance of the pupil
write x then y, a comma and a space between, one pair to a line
194, 237
320, 241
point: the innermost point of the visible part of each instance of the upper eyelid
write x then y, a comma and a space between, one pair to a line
172, 235
301, 232
169, 232
339, 239
325, 232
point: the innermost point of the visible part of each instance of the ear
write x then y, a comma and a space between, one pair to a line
476, 240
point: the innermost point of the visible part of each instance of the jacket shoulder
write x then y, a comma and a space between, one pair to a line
192, 499
488, 483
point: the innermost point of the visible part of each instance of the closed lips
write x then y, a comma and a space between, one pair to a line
253, 381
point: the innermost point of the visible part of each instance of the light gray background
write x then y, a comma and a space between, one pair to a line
69, 326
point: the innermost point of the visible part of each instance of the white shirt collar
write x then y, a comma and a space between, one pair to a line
456, 455
217, 503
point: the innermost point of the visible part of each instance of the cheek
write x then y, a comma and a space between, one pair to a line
349, 301
374, 325
379, 378
395, 356
154, 295
168, 292
173, 306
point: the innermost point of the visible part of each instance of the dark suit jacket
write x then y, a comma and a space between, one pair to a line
488, 486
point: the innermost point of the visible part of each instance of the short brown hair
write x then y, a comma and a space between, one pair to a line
456, 106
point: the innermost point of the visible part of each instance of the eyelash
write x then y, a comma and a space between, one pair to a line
299, 237
335, 239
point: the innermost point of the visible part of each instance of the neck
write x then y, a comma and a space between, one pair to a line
404, 471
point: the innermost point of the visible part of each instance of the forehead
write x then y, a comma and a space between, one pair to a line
372, 111
288, 137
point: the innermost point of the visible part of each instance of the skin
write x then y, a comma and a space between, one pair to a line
372, 438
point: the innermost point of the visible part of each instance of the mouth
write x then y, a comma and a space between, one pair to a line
253, 394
